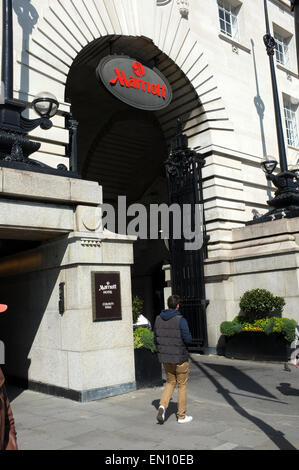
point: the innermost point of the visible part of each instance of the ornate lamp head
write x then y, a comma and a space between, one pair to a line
45, 104
268, 165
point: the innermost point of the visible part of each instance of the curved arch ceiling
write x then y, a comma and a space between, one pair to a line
115, 141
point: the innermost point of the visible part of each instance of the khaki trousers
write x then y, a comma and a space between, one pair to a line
177, 375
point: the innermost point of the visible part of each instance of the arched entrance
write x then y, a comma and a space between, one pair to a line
62, 51
124, 148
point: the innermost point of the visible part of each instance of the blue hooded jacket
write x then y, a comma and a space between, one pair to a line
169, 313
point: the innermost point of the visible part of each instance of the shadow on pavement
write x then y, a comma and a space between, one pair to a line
240, 380
276, 436
286, 389
171, 410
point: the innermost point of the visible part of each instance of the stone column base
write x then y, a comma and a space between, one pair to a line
76, 395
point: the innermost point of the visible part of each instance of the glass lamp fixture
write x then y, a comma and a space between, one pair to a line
45, 104
268, 165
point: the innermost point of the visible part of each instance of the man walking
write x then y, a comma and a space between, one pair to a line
171, 336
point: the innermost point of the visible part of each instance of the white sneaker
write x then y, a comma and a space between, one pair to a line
187, 419
161, 415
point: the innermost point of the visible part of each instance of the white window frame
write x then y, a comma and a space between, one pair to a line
228, 19
282, 50
291, 118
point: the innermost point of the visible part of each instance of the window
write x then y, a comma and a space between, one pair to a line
290, 112
228, 19
281, 49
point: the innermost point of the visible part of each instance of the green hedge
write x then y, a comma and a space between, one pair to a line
285, 326
144, 338
229, 328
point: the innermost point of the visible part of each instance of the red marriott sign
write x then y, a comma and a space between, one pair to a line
155, 89
134, 83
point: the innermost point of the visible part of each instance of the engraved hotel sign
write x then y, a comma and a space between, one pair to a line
106, 303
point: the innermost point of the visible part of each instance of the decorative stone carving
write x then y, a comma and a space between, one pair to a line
88, 218
183, 7
90, 242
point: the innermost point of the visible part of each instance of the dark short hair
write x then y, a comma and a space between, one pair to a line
173, 301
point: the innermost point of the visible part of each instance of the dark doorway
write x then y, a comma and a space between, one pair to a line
125, 148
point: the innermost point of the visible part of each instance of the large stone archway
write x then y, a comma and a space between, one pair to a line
124, 148
57, 33
120, 146
53, 37
62, 36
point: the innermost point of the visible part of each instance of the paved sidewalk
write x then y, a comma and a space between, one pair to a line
235, 405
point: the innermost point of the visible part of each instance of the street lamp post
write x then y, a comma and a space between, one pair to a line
15, 146
269, 42
286, 200
7, 50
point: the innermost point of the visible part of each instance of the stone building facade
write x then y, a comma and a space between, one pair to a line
212, 54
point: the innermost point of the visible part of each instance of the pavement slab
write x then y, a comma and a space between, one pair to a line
236, 405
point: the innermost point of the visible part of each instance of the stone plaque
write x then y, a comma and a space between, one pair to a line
106, 303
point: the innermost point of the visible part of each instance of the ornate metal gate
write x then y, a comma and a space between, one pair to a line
183, 170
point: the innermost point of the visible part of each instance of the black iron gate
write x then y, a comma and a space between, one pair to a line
183, 169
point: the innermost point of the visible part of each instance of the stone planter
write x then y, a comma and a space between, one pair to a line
148, 370
256, 346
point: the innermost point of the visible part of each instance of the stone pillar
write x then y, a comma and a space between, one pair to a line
65, 352
257, 256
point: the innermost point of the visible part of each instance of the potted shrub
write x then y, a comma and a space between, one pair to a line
260, 303
259, 332
148, 370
